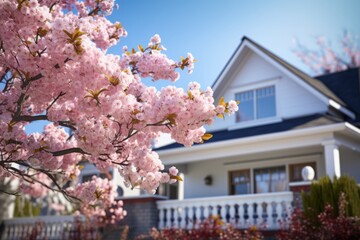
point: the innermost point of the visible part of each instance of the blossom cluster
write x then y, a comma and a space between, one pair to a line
54, 66
99, 201
326, 59
37, 189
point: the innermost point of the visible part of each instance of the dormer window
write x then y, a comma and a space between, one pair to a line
256, 104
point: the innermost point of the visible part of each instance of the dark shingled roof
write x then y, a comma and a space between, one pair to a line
285, 125
346, 85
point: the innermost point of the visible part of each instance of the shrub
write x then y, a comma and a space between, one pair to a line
325, 192
210, 229
331, 224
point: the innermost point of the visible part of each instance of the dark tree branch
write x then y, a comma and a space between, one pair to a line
67, 124
37, 77
10, 193
32, 178
19, 105
55, 99
68, 151
29, 118
12, 141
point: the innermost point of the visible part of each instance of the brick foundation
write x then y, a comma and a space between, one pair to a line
142, 215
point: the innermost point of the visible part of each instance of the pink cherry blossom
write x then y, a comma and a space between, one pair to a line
54, 66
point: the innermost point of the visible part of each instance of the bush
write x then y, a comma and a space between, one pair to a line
330, 225
212, 228
325, 192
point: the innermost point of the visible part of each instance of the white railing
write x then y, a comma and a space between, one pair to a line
43, 227
264, 210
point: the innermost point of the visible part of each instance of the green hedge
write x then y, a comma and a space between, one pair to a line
324, 191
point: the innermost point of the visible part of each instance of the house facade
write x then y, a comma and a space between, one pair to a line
251, 168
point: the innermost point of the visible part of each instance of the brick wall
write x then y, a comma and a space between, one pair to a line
142, 215
297, 190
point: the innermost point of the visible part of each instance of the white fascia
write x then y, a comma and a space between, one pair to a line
341, 109
259, 138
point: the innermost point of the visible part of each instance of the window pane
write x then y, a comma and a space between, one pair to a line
242, 188
239, 182
295, 170
265, 100
173, 191
246, 106
270, 179
87, 177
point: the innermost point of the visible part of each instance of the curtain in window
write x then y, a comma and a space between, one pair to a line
270, 180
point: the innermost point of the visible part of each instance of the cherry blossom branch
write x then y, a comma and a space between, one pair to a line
31, 178
10, 193
55, 99
29, 118
68, 151
67, 124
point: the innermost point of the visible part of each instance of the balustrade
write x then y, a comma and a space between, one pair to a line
263, 210
43, 227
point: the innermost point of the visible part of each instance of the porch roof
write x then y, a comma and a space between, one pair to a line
285, 125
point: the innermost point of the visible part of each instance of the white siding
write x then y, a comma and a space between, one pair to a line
253, 70
350, 163
194, 185
292, 99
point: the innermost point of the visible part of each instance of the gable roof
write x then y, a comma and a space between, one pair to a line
286, 125
311, 83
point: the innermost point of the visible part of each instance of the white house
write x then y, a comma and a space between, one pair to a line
287, 120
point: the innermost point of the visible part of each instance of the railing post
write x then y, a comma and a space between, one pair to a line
206, 211
161, 218
168, 217
197, 215
250, 214
182, 214
278, 212
191, 222
176, 217
232, 213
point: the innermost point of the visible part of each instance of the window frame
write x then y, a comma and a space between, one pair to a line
273, 81
313, 164
230, 182
252, 180
255, 104
171, 191
270, 168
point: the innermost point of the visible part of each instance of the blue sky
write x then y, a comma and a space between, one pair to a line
212, 29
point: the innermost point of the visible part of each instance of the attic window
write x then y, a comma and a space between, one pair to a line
256, 104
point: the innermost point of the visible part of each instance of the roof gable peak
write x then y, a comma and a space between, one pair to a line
313, 85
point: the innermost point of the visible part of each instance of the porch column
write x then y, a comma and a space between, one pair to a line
332, 158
